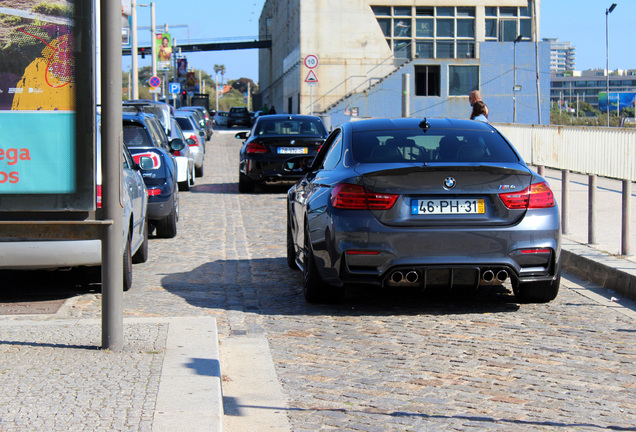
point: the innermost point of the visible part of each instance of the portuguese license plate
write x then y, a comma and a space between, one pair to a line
448, 206
292, 150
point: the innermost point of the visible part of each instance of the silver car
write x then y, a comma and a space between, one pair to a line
34, 254
431, 204
193, 132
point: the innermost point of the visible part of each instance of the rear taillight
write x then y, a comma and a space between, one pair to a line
98, 196
154, 191
255, 147
355, 197
536, 195
177, 153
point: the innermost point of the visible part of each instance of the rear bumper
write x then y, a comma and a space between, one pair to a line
182, 168
449, 254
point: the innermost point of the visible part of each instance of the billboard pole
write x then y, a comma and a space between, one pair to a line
112, 242
153, 42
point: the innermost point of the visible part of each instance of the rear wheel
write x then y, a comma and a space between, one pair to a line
192, 176
198, 172
315, 289
141, 256
245, 185
291, 250
167, 227
538, 292
127, 265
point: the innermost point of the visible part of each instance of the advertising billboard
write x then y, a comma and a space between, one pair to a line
44, 163
163, 44
617, 101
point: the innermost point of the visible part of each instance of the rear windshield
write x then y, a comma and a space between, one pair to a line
184, 123
440, 146
136, 136
304, 127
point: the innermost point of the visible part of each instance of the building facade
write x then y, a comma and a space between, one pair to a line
562, 55
364, 47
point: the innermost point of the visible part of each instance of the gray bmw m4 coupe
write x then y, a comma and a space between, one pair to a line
431, 204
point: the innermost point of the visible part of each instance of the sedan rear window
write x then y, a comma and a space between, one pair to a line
441, 146
136, 136
290, 127
184, 123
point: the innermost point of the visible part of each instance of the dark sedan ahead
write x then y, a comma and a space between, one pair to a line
272, 140
426, 204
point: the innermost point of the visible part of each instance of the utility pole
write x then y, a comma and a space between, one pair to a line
112, 262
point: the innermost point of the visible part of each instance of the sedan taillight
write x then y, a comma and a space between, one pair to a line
538, 195
255, 147
355, 197
98, 198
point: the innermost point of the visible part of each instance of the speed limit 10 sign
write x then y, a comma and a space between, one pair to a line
311, 61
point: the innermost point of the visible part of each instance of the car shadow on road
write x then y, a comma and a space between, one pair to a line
267, 286
232, 188
40, 292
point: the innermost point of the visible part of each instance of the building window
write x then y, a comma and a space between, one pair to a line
462, 80
427, 80
504, 24
428, 31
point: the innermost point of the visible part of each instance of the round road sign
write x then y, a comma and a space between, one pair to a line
154, 81
311, 61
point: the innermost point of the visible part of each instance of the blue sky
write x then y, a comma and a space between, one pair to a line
580, 22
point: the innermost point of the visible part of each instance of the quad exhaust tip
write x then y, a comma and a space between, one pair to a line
410, 277
489, 276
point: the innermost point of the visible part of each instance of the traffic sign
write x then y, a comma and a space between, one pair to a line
154, 81
311, 61
311, 77
174, 88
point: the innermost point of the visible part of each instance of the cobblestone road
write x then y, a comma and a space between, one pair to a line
383, 361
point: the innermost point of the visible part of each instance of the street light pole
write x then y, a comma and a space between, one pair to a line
607, 12
514, 88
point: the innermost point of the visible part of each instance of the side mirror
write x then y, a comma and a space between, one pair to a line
242, 135
177, 144
146, 163
190, 141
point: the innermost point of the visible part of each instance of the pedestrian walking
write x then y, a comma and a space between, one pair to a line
475, 96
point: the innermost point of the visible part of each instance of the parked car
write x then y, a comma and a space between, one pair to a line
272, 140
431, 204
209, 129
183, 157
196, 138
239, 116
162, 111
38, 254
220, 118
144, 138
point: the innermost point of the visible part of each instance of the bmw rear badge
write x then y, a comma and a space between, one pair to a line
449, 183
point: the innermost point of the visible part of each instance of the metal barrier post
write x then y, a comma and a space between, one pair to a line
626, 248
591, 211
565, 198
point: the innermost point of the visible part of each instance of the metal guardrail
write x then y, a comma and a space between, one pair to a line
595, 151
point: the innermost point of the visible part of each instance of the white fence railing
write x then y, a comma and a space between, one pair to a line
606, 152
595, 151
